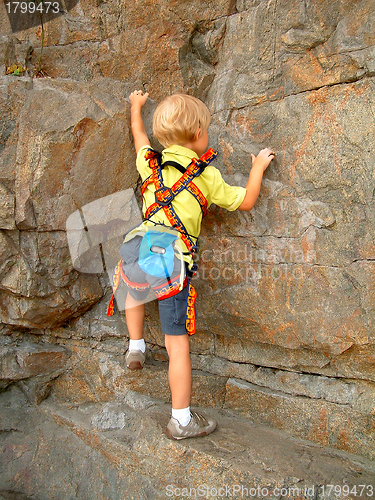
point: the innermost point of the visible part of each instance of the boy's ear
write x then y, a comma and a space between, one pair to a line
198, 134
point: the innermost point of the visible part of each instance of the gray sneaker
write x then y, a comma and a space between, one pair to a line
198, 426
135, 359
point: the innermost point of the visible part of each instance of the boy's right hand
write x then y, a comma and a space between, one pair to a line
138, 98
263, 159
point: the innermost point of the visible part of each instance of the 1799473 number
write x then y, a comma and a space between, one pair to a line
32, 7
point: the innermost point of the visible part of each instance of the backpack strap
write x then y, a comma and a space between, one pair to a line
191, 187
148, 180
174, 164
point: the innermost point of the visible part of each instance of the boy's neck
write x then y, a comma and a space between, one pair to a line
199, 145
190, 146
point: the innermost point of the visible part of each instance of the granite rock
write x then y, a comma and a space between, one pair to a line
50, 168
286, 291
33, 367
59, 450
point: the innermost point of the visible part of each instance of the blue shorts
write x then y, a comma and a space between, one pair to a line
172, 310
172, 313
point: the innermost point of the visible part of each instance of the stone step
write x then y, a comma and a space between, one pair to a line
119, 450
328, 411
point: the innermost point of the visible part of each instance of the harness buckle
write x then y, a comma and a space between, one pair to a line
163, 196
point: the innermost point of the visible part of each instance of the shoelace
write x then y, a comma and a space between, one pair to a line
200, 420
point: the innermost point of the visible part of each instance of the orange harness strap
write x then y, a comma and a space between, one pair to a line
163, 291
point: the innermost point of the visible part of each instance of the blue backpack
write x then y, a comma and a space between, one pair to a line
156, 254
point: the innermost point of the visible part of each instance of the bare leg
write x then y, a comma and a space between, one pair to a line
179, 369
134, 312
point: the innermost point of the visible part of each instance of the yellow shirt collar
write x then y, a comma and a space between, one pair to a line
179, 154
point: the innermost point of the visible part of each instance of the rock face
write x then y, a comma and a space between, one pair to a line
50, 168
285, 292
33, 367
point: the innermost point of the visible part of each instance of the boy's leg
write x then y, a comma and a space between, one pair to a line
183, 423
134, 312
179, 369
134, 309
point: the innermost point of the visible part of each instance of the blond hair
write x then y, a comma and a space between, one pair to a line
177, 119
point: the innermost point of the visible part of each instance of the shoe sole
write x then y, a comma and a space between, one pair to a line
178, 438
135, 365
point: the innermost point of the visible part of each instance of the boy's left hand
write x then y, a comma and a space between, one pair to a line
263, 159
138, 98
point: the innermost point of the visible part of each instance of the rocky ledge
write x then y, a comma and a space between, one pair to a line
119, 449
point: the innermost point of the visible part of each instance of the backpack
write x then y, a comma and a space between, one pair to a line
157, 253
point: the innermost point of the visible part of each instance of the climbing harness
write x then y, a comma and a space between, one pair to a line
165, 195
158, 246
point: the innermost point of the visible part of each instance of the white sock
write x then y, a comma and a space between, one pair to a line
183, 415
137, 345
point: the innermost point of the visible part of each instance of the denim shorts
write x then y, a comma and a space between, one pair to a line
172, 310
172, 313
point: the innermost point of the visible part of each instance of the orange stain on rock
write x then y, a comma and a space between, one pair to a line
322, 111
319, 428
227, 150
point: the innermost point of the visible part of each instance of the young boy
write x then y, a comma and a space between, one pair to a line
180, 124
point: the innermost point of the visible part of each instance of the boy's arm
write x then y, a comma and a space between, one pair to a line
260, 163
137, 100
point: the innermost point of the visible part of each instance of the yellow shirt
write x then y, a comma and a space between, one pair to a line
210, 183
